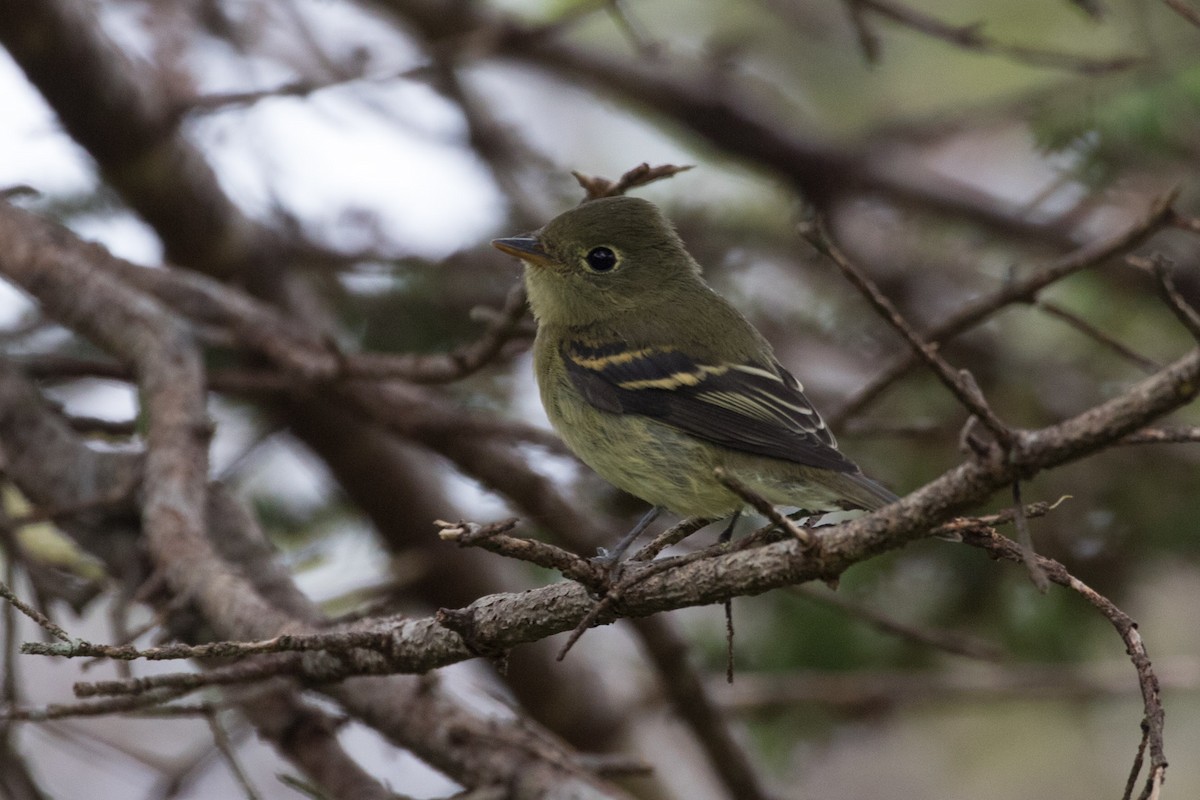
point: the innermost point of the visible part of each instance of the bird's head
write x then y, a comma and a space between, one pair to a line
601, 259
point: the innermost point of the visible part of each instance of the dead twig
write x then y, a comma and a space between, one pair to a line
671, 537
1147, 365
972, 38
1152, 721
868, 40
493, 539
1174, 435
223, 101
44, 622
1160, 266
873, 691
946, 641
596, 187
1025, 540
764, 507
960, 384
502, 329
109, 501
1021, 290
95, 708
287, 643
229, 755
627, 579
1038, 509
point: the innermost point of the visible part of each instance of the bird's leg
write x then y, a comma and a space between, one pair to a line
727, 534
613, 557
724, 538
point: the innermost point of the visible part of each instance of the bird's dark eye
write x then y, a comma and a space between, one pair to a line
601, 259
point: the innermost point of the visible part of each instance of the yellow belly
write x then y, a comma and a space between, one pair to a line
667, 467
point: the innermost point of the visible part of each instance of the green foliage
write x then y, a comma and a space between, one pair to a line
1107, 128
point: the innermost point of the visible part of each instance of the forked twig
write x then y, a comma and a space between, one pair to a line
1159, 266
597, 187
959, 384
1022, 290
494, 539
1152, 721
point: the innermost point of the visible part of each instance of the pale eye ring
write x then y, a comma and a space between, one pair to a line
601, 259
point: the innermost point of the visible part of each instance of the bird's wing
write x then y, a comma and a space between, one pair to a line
754, 408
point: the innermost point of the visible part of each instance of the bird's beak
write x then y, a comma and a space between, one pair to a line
526, 248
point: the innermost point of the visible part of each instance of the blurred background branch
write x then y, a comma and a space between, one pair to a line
301, 194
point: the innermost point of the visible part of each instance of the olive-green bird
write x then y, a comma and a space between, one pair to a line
654, 380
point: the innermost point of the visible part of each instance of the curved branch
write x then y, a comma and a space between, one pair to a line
137, 330
502, 621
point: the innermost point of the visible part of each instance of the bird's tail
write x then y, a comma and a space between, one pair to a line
865, 493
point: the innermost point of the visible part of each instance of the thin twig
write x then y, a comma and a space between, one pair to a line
103, 427
763, 506
9, 692
1038, 509
671, 537
1160, 267
1016, 291
1135, 770
109, 501
597, 187
1175, 435
221, 101
634, 31
629, 578
1126, 628
889, 428
94, 708
41, 619
1147, 365
287, 643
1186, 223
946, 641
1025, 540
182, 683
446, 367
876, 690
967, 394
972, 38
493, 539
608, 601
614, 765
225, 748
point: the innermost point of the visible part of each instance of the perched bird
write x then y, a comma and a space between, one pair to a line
654, 380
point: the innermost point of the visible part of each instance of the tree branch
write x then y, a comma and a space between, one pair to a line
500, 622
1021, 290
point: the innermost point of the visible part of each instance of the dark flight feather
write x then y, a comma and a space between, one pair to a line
753, 408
